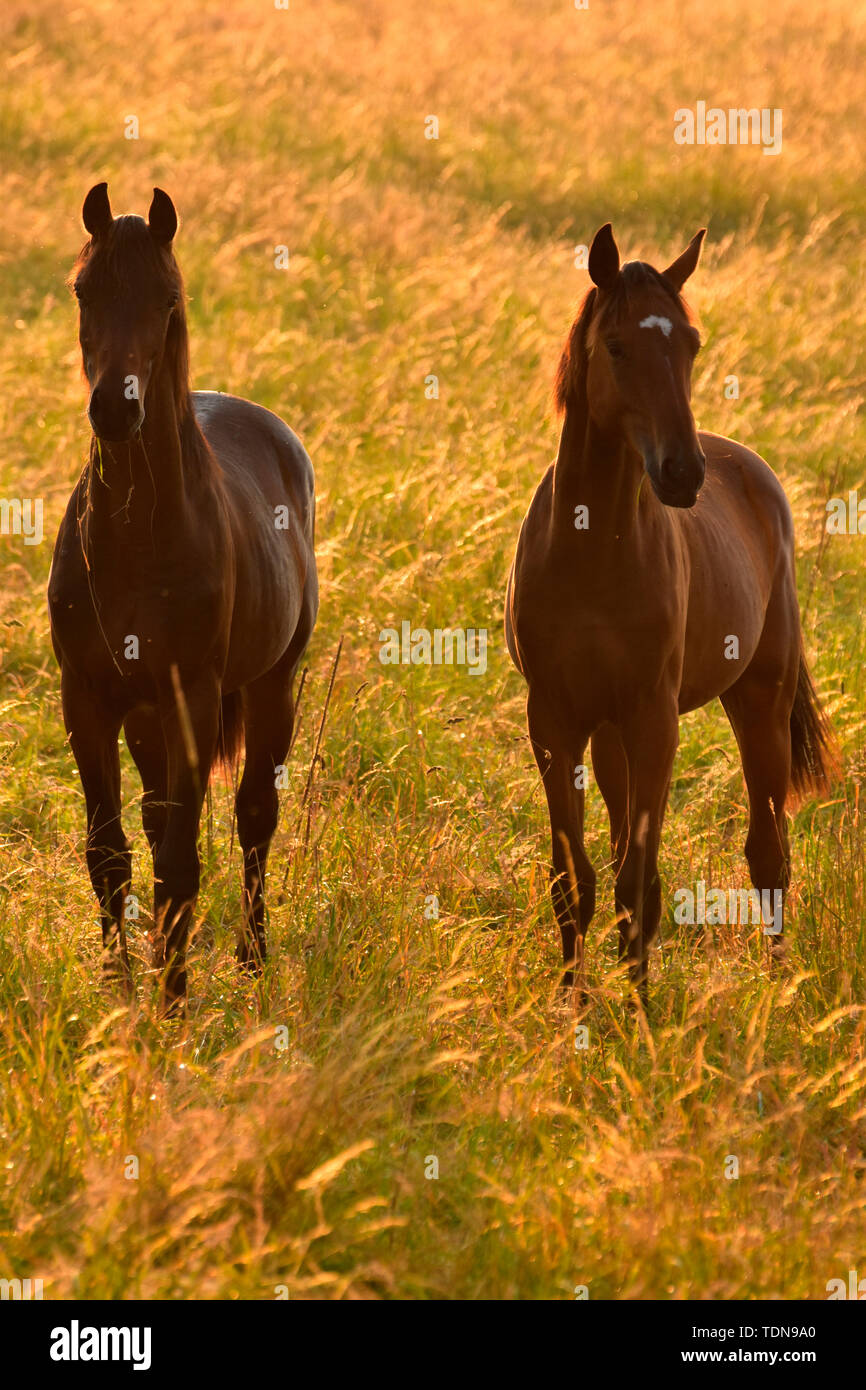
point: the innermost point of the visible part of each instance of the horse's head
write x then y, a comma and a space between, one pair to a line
130, 297
639, 349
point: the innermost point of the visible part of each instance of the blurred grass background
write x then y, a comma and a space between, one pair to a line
284, 1134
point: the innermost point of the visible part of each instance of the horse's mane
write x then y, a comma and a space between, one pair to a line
130, 256
572, 363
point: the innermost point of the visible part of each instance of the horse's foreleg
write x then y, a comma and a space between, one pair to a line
190, 722
269, 714
610, 766
650, 745
145, 742
93, 734
572, 877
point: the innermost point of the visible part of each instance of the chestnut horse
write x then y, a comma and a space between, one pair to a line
629, 604
183, 590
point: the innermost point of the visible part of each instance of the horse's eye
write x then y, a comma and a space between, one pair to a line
615, 349
172, 300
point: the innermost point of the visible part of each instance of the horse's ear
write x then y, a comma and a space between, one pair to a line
679, 270
603, 258
162, 218
96, 213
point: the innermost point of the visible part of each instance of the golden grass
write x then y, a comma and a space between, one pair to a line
301, 1169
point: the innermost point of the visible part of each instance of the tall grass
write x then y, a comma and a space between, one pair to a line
287, 1136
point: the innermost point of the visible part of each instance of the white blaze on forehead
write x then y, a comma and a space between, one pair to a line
656, 321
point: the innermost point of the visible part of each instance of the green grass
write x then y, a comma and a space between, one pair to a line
303, 1167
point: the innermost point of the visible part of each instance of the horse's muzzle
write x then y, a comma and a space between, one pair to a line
678, 478
114, 418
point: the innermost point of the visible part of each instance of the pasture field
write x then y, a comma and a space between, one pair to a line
286, 1135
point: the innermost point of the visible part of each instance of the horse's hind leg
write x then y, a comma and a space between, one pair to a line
572, 877
611, 773
269, 714
93, 738
760, 713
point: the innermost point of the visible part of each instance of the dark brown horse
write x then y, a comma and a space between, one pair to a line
183, 590
654, 571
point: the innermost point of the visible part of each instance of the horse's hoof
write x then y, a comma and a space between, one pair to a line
639, 999
117, 974
572, 991
251, 955
172, 1006
252, 964
172, 995
778, 952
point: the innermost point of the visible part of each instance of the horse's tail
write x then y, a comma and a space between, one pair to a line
815, 761
231, 732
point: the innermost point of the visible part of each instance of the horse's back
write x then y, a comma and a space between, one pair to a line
253, 445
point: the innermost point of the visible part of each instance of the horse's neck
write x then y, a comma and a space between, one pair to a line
139, 492
600, 475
